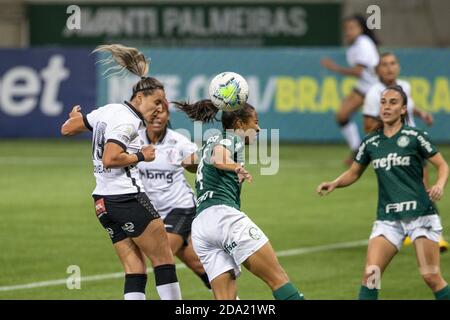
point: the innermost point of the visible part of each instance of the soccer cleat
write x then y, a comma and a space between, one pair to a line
443, 245
407, 241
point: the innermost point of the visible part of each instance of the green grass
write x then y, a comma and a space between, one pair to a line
48, 223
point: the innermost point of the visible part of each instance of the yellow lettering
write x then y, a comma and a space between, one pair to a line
285, 94
308, 89
420, 90
441, 96
329, 99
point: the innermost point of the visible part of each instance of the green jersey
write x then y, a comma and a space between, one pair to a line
214, 186
398, 163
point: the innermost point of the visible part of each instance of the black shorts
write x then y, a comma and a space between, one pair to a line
179, 221
124, 216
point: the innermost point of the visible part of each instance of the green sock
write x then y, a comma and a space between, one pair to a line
368, 294
288, 292
443, 294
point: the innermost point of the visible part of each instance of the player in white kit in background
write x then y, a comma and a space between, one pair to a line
388, 71
121, 206
166, 186
362, 57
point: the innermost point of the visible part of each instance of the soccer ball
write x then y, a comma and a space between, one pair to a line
228, 91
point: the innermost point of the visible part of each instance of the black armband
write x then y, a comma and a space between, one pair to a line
140, 156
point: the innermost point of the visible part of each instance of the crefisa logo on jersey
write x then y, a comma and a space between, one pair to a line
403, 141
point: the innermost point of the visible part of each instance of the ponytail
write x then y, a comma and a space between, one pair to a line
203, 110
131, 59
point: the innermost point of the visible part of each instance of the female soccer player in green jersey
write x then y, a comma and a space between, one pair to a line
405, 207
223, 236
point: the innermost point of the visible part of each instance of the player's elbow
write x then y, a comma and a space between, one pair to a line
108, 161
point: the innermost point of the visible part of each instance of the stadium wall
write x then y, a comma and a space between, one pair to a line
289, 88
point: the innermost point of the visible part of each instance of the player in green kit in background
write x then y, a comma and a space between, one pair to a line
224, 237
405, 207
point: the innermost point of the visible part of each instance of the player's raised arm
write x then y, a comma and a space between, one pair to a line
75, 124
115, 156
190, 163
344, 180
221, 159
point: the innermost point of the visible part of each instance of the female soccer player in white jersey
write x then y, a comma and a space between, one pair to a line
223, 236
405, 206
121, 205
167, 188
388, 70
362, 56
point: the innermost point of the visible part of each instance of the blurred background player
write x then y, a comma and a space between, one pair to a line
121, 205
223, 236
388, 70
167, 188
405, 207
362, 56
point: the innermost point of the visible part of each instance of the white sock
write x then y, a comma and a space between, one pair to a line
134, 296
169, 291
351, 134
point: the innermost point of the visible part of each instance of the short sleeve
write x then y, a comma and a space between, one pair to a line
91, 119
371, 106
122, 134
233, 144
427, 149
363, 156
187, 148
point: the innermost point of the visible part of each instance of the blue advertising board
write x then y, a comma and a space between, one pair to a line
38, 87
288, 87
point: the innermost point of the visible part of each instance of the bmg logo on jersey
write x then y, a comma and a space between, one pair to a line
157, 175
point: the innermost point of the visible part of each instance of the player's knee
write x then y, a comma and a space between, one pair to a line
135, 266
433, 280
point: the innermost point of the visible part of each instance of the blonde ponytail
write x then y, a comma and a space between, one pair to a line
127, 58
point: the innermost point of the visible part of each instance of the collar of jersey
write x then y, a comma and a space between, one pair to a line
161, 139
396, 134
135, 112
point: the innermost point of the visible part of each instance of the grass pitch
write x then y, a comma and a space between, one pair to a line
48, 223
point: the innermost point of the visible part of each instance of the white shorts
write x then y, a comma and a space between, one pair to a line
395, 232
224, 238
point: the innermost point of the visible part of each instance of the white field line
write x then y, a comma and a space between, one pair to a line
107, 276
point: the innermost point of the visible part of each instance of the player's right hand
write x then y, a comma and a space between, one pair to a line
149, 153
325, 188
76, 112
243, 174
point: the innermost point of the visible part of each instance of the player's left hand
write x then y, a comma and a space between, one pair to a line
243, 174
435, 192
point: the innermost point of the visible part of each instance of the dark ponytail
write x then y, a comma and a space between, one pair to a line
361, 20
203, 110
206, 111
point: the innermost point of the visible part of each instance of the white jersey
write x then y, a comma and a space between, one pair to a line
120, 124
372, 100
163, 178
364, 52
